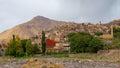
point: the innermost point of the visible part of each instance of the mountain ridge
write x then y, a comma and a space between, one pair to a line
30, 28
35, 25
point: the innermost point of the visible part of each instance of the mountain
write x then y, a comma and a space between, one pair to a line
114, 22
30, 28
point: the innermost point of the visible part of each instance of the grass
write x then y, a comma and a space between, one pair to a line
19, 58
81, 56
60, 55
55, 55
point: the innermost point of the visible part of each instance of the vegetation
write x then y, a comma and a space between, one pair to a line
15, 47
19, 48
117, 33
43, 43
84, 43
117, 46
29, 48
95, 44
98, 33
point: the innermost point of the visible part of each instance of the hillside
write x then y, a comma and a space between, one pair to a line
38, 23
114, 22
30, 28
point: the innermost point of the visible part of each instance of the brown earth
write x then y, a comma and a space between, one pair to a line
59, 63
30, 28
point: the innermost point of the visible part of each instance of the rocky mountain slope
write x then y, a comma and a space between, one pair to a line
30, 28
38, 23
114, 22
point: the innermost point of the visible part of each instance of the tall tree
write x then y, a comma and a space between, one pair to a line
43, 43
19, 49
29, 48
15, 47
11, 49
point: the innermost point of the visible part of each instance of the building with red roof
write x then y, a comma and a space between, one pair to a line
50, 43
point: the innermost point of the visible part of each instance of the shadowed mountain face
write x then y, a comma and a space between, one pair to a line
30, 28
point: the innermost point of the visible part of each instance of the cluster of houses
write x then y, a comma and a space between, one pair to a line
57, 40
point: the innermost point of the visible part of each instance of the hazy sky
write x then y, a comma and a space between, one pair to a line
13, 12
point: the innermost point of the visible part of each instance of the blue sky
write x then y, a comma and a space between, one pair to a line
13, 12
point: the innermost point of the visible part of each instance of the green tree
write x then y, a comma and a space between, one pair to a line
83, 42
11, 49
95, 45
116, 33
36, 49
14, 47
29, 48
24, 41
19, 49
79, 42
43, 43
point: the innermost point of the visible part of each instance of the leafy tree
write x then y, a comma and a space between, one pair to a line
116, 32
24, 41
11, 49
43, 43
19, 49
29, 48
84, 42
14, 47
79, 42
95, 45
35, 48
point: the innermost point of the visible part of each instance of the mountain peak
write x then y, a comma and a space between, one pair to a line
40, 18
30, 28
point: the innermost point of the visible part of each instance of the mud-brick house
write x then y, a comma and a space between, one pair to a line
108, 36
66, 47
51, 46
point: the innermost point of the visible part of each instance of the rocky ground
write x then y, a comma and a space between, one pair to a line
66, 63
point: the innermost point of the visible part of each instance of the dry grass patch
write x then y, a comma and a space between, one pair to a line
34, 63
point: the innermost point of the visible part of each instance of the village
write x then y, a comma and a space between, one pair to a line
57, 39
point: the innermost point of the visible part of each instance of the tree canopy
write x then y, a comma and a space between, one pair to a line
43, 43
83, 42
17, 47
